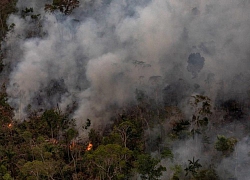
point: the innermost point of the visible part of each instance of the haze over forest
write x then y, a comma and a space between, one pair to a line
161, 87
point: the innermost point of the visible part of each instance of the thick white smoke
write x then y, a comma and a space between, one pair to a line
100, 54
104, 50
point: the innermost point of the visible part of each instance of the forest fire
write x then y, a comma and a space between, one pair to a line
89, 147
123, 89
10, 125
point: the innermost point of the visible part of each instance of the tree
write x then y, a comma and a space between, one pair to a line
180, 129
177, 171
167, 153
6, 111
225, 145
6, 8
148, 167
128, 131
53, 119
4, 174
95, 138
202, 111
64, 6
33, 169
57, 121
125, 129
207, 174
193, 167
108, 161
39, 169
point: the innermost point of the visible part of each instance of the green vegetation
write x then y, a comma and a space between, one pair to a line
6, 8
147, 167
47, 145
193, 167
225, 145
64, 6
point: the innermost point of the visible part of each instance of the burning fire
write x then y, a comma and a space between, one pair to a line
9, 125
89, 147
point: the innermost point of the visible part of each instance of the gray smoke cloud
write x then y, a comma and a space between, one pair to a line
98, 56
105, 50
237, 165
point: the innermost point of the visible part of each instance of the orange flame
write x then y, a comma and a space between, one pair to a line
9, 125
89, 147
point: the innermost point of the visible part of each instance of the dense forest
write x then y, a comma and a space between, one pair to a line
126, 89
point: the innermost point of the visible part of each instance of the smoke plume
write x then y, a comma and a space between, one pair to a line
104, 50
101, 53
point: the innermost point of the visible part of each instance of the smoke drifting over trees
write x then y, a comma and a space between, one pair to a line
100, 55
104, 52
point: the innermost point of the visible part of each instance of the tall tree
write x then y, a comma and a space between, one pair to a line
148, 167
108, 161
